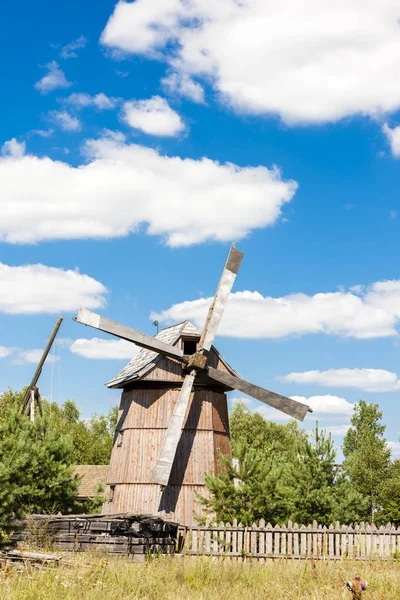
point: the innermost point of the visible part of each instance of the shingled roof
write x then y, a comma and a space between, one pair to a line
91, 477
146, 360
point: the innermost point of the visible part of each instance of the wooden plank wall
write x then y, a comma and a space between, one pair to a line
263, 541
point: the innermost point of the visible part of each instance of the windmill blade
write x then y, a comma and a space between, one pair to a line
165, 460
295, 409
220, 299
36, 376
86, 317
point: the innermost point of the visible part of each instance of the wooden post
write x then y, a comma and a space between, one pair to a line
32, 406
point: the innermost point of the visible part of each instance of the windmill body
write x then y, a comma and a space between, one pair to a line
173, 416
151, 385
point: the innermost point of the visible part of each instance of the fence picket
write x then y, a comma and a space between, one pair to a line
268, 547
296, 550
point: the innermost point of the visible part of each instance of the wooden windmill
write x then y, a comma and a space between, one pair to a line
173, 418
32, 394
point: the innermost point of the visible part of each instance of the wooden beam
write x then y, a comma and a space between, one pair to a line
295, 409
41, 363
165, 460
221, 298
86, 317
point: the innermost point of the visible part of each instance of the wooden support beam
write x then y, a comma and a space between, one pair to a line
165, 460
86, 317
40, 364
221, 298
295, 409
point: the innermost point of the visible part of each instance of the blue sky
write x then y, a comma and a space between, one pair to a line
139, 140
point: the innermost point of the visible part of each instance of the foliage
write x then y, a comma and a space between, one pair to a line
256, 488
92, 438
251, 430
284, 474
37, 460
367, 456
35, 467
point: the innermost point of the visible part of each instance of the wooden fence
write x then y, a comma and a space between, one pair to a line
264, 541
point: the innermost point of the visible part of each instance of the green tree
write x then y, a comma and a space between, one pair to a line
315, 479
323, 492
257, 488
251, 430
92, 439
389, 496
35, 467
367, 456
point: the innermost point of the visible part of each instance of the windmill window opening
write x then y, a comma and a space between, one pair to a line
190, 346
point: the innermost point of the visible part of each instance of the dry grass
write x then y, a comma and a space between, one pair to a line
99, 577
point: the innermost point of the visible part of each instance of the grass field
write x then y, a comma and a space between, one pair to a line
98, 577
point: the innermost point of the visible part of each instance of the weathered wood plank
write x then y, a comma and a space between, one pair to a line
287, 405
87, 317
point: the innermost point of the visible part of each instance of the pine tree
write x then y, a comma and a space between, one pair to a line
35, 467
367, 455
315, 479
257, 488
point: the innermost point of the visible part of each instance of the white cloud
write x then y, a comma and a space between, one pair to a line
99, 101
53, 80
68, 51
271, 414
308, 61
183, 85
373, 312
51, 290
13, 149
393, 136
337, 430
153, 116
369, 380
43, 132
33, 356
395, 448
5, 351
97, 348
233, 401
144, 188
327, 406
66, 121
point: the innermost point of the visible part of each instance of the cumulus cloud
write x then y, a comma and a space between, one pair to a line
69, 50
395, 448
33, 356
370, 313
13, 148
53, 80
337, 430
5, 351
153, 116
99, 101
327, 406
144, 188
369, 380
45, 133
97, 348
51, 290
183, 85
309, 61
393, 136
66, 121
